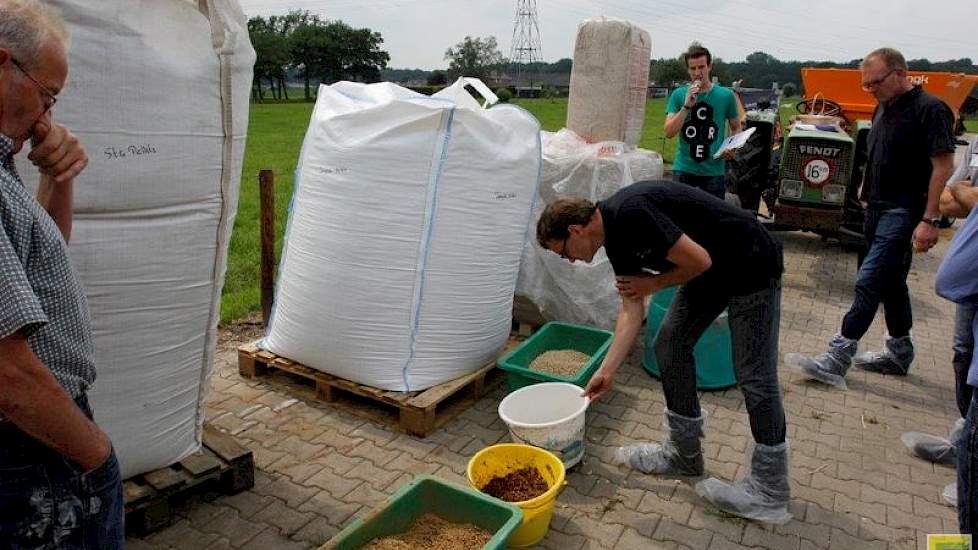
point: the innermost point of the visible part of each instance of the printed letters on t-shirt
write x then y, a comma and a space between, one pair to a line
700, 131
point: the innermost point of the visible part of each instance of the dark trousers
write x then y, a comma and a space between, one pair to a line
882, 276
47, 502
714, 185
753, 320
967, 470
964, 347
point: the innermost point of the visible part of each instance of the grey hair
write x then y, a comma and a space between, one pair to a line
890, 57
26, 25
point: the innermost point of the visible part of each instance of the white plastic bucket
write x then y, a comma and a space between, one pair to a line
548, 415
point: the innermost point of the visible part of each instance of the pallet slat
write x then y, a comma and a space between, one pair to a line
418, 412
135, 493
200, 464
165, 479
221, 463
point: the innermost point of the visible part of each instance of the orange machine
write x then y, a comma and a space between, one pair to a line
844, 86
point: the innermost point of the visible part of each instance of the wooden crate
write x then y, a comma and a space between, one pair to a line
418, 413
222, 465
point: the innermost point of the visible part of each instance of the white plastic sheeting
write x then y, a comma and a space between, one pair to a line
581, 292
404, 238
609, 81
158, 93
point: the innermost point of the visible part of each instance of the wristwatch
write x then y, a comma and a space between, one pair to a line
936, 222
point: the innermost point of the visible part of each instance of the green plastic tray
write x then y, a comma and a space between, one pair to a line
428, 494
555, 336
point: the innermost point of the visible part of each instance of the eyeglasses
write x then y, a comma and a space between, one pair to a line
563, 248
47, 97
872, 84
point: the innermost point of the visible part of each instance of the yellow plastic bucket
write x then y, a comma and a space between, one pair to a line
502, 459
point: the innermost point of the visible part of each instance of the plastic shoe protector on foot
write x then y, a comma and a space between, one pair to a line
680, 455
762, 495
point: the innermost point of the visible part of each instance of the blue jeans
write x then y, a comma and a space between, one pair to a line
882, 277
967, 470
714, 185
754, 320
964, 346
47, 502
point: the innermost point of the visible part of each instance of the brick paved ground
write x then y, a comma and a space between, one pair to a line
853, 483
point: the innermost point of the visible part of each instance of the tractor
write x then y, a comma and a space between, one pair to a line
810, 179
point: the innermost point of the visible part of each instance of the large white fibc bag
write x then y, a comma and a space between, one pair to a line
158, 93
609, 81
581, 292
403, 245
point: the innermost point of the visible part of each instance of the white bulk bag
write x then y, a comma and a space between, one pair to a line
158, 93
609, 81
403, 244
582, 293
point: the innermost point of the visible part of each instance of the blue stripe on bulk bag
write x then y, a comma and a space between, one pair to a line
431, 206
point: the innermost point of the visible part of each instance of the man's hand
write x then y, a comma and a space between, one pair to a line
100, 450
56, 151
691, 92
635, 287
924, 237
600, 383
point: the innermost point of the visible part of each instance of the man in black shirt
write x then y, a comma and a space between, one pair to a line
659, 234
911, 155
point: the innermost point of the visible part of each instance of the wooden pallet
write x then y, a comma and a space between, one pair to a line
418, 413
222, 465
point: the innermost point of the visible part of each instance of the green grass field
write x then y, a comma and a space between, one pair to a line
275, 135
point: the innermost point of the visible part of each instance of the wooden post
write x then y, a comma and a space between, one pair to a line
266, 183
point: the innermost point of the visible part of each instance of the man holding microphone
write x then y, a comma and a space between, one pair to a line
699, 113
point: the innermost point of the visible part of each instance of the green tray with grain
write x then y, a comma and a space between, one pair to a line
429, 494
551, 337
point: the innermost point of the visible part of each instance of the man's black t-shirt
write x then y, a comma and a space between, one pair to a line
644, 220
914, 127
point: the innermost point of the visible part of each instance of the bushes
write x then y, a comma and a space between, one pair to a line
504, 95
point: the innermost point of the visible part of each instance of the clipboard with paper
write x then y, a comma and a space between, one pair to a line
734, 142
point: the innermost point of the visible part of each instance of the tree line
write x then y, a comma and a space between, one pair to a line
300, 45
313, 49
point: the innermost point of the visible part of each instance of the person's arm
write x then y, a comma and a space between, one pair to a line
35, 402
925, 235
676, 114
735, 125
626, 330
736, 115
690, 260
949, 204
60, 157
57, 200
965, 196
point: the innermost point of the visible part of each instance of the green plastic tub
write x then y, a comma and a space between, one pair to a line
428, 494
712, 353
555, 336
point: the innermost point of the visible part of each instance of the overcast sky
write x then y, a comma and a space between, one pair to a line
417, 32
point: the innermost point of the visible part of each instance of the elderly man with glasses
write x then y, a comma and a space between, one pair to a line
910, 157
59, 478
